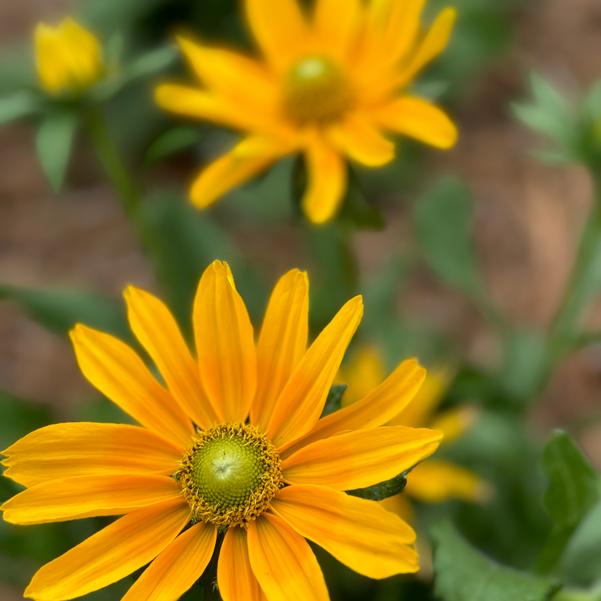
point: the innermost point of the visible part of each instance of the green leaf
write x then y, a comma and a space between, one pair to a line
383, 490
151, 63
464, 573
18, 105
334, 400
19, 416
59, 310
442, 222
582, 557
572, 491
54, 142
171, 142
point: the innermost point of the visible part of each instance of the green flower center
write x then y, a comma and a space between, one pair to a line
230, 475
316, 89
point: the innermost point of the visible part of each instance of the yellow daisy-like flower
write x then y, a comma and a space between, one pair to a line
435, 480
68, 57
328, 85
230, 444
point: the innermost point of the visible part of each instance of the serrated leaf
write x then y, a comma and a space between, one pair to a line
442, 221
572, 491
18, 105
462, 573
54, 142
59, 310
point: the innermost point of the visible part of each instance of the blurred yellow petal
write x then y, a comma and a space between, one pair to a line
421, 410
436, 481
111, 554
301, 402
116, 370
85, 52
376, 408
177, 567
88, 496
357, 138
434, 42
282, 341
234, 574
361, 373
337, 21
419, 119
283, 562
50, 61
157, 331
88, 449
224, 343
236, 167
280, 29
359, 533
326, 172
454, 423
361, 458
399, 505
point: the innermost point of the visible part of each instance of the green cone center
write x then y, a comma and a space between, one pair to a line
230, 475
316, 89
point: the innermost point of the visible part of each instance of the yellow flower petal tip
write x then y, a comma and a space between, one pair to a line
341, 73
229, 438
68, 58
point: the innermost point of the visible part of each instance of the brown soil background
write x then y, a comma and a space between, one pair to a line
528, 221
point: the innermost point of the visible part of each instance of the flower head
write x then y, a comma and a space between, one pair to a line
229, 444
68, 58
328, 85
435, 480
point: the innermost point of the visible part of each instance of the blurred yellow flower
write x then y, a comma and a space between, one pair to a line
435, 480
68, 57
231, 443
327, 86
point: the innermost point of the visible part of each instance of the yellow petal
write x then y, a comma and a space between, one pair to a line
420, 410
234, 575
233, 169
111, 554
283, 563
359, 533
438, 481
50, 62
362, 458
301, 402
282, 341
362, 373
156, 329
327, 177
454, 423
84, 52
419, 119
88, 496
279, 28
337, 22
88, 449
361, 141
116, 370
431, 46
177, 567
225, 343
375, 409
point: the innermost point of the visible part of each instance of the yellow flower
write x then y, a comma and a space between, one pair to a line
231, 443
435, 480
328, 85
68, 58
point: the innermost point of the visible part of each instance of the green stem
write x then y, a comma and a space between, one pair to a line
126, 189
583, 282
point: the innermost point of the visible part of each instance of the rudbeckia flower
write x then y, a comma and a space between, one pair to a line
229, 445
68, 58
435, 480
329, 85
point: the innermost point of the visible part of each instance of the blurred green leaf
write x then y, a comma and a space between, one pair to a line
54, 141
18, 105
442, 220
151, 63
59, 310
572, 491
172, 141
334, 399
19, 416
582, 557
463, 573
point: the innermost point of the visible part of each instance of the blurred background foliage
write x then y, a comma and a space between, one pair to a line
409, 238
